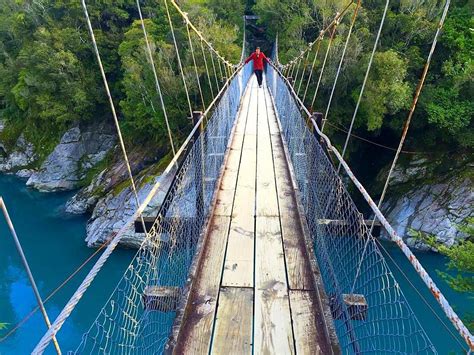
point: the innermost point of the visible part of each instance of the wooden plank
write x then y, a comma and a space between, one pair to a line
307, 326
272, 332
298, 265
224, 202
233, 328
267, 203
270, 261
196, 335
238, 268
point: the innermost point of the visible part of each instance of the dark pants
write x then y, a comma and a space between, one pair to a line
259, 74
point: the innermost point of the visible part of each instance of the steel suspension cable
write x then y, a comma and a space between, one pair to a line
61, 318
209, 45
56, 290
195, 67
179, 59
297, 71
219, 64
349, 133
425, 277
155, 75
331, 38
367, 72
341, 61
319, 39
305, 64
214, 69
207, 69
345, 130
336, 18
26, 265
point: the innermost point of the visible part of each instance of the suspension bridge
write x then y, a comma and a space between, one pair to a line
257, 246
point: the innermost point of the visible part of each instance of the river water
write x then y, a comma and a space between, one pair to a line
54, 245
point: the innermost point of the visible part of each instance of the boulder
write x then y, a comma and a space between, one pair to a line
21, 156
25, 173
113, 211
78, 151
85, 200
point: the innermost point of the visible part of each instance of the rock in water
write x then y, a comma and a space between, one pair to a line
113, 211
78, 151
25, 173
87, 197
22, 155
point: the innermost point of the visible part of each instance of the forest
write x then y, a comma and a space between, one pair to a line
50, 78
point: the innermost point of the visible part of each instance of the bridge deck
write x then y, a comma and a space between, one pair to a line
254, 288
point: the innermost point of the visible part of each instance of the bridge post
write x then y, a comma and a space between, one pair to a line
291, 80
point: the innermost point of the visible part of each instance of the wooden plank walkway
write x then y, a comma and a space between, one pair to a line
254, 288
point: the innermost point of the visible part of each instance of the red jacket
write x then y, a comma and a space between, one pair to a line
257, 60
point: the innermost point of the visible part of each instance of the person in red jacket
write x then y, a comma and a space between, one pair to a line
258, 58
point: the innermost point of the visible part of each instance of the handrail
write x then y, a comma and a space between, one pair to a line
443, 302
76, 297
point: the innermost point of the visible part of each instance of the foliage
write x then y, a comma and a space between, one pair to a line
446, 106
3, 326
386, 91
50, 79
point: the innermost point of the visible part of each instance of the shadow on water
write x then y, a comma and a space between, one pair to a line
53, 242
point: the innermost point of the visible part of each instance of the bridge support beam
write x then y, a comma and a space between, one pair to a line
161, 298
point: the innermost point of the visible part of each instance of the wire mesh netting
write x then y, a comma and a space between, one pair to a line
371, 314
139, 315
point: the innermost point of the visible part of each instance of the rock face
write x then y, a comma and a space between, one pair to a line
434, 208
87, 197
21, 156
78, 151
113, 211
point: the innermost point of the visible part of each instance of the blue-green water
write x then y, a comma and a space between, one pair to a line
53, 242
54, 245
462, 303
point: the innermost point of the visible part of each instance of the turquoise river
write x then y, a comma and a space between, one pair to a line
53, 242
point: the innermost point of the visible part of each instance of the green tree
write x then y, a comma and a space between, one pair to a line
386, 92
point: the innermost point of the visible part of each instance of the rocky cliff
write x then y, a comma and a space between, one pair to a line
431, 196
80, 149
17, 159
